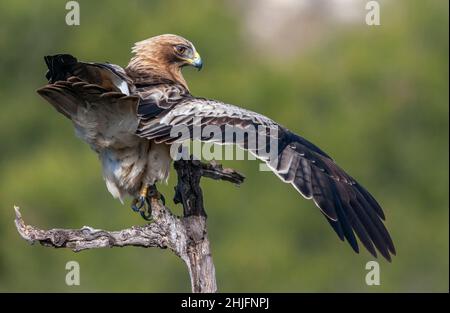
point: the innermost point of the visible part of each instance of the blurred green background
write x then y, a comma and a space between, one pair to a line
375, 98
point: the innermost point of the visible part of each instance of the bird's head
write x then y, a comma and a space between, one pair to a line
165, 55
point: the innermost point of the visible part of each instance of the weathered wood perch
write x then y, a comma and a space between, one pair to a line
186, 236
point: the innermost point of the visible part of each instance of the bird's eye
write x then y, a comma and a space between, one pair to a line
180, 49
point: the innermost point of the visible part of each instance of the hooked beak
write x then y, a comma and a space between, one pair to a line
197, 61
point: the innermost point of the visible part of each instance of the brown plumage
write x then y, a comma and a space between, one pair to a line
128, 117
155, 56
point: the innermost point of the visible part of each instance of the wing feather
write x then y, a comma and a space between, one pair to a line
347, 206
94, 97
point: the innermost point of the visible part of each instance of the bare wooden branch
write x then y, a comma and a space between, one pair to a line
186, 236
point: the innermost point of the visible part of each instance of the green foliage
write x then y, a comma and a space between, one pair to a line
375, 98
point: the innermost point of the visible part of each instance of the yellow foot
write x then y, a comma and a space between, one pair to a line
142, 204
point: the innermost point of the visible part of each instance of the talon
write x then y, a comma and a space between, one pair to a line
147, 214
142, 204
154, 193
143, 207
138, 204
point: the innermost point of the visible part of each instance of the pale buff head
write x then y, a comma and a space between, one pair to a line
164, 55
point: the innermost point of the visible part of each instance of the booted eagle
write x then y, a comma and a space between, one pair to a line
128, 117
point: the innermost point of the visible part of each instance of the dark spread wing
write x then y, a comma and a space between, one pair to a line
347, 206
95, 97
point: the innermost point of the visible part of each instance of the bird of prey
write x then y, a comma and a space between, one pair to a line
127, 116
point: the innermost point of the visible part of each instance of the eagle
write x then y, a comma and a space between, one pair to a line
128, 116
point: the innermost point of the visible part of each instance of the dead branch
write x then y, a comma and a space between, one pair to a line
186, 236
